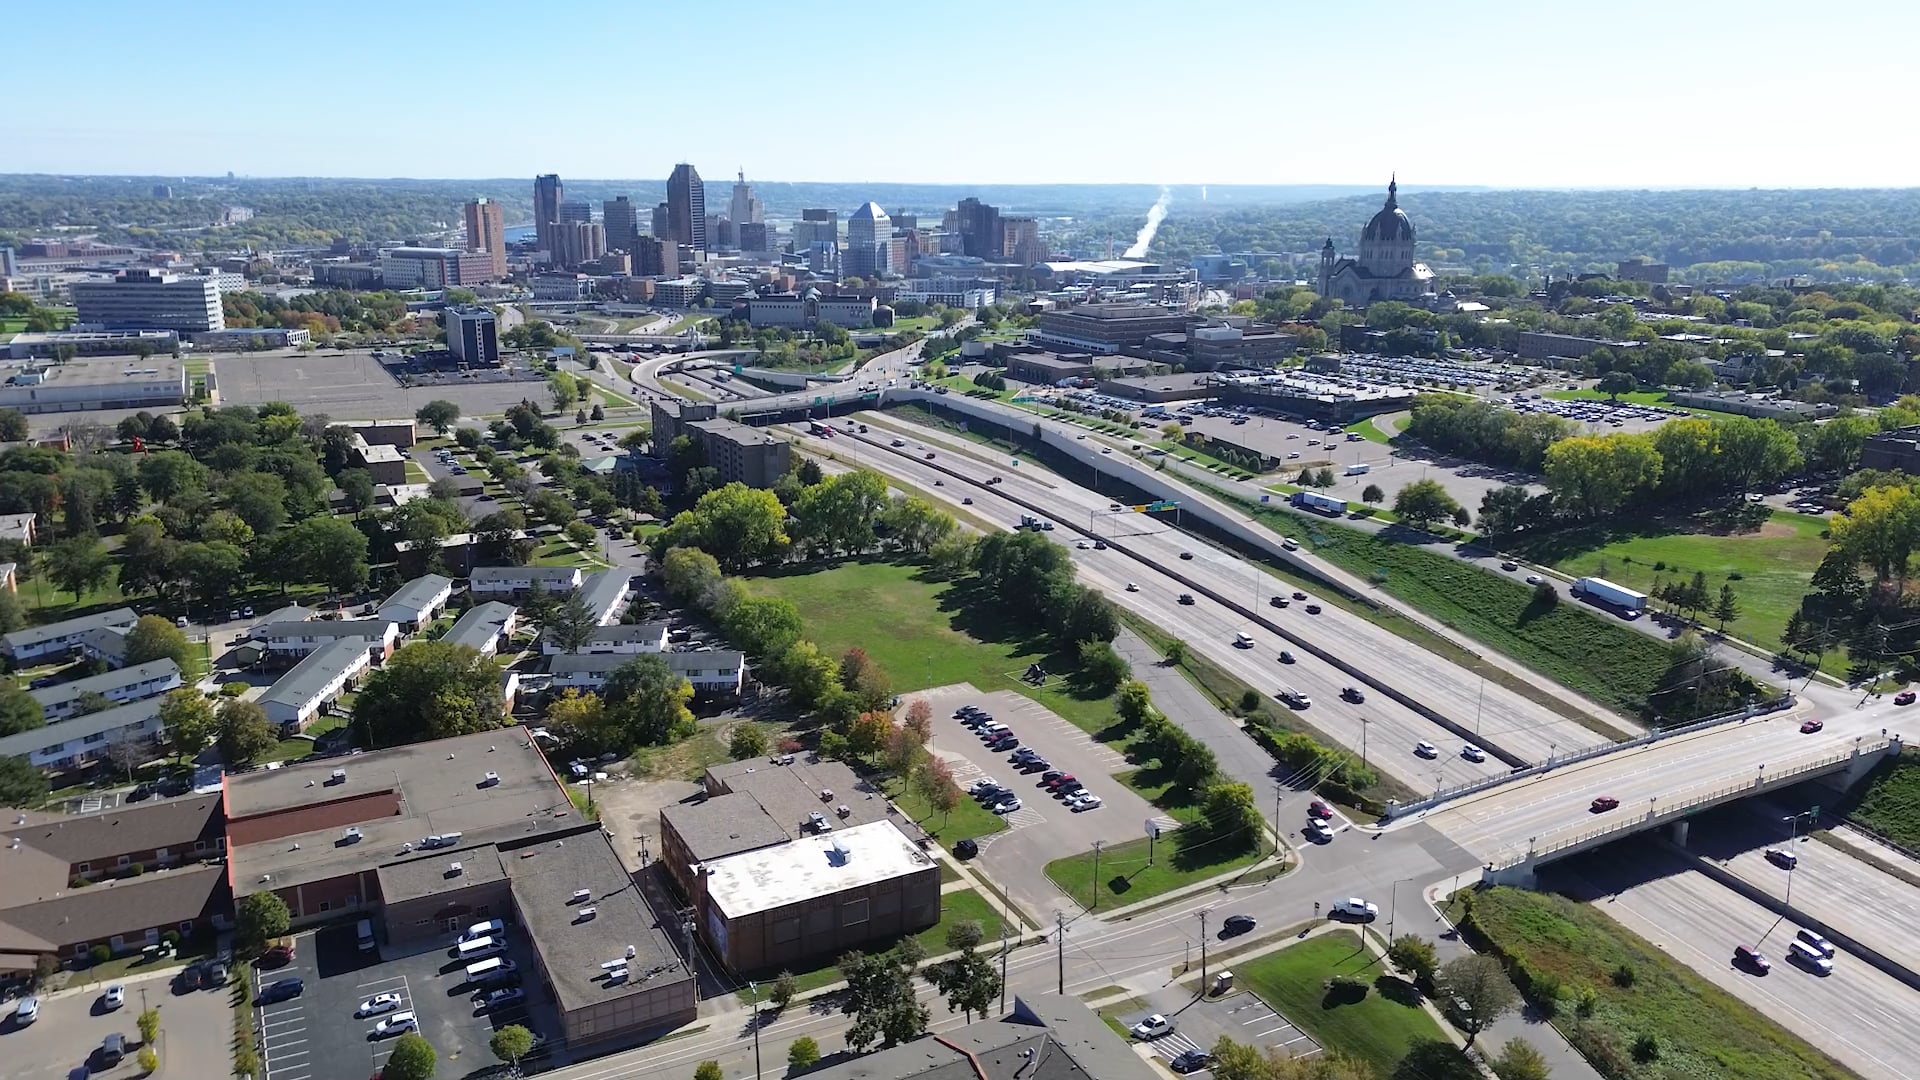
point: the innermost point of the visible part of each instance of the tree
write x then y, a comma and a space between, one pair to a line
969, 980
19, 711
79, 564
1229, 811
226, 527
126, 754
1414, 955
155, 638
1518, 1060
244, 735
763, 626
1593, 475
919, 720
1728, 607
564, 389
837, 515
90, 702
439, 415
784, 989
747, 741
580, 535
1481, 987
428, 690
933, 779
412, 1059
21, 784
210, 570
1101, 667
1372, 494
572, 624
327, 550
803, 1053
916, 524
188, 719
1615, 383
868, 733
708, 1070
170, 473
903, 748
13, 425
1880, 530
511, 1043
1424, 502
12, 616
647, 703
259, 498
880, 996
258, 919
809, 674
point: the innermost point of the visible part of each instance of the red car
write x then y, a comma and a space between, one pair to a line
1605, 803
278, 956
1320, 810
1057, 781
1904, 697
1812, 726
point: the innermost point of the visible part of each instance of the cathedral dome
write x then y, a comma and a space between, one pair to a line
1390, 225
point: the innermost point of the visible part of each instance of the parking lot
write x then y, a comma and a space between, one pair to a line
194, 1032
1241, 1016
1017, 858
318, 1036
1597, 414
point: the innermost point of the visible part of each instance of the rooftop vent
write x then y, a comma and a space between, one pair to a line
579, 896
454, 870
843, 810
490, 779
339, 776
351, 835
586, 913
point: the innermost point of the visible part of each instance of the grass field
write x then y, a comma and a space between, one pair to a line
1376, 1029
1127, 878
1775, 563
1204, 459
925, 632
954, 907
1366, 430
1889, 801
968, 818
1701, 1029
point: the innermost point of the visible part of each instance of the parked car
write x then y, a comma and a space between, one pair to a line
279, 956
498, 998
1084, 800
1153, 1027
1191, 1061
1007, 805
279, 990
378, 1004
966, 848
398, 1024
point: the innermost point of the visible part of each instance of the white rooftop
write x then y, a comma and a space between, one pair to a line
816, 864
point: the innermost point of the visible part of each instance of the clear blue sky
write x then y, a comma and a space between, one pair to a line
1626, 93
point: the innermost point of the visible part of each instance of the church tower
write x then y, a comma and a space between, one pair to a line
1326, 267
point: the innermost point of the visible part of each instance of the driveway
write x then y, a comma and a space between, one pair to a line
1043, 829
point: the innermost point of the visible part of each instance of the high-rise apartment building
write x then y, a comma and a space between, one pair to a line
754, 236
745, 208
547, 193
719, 232
868, 231
1020, 240
656, 257
979, 229
142, 299
473, 335
687, 208
621, 216
487, 231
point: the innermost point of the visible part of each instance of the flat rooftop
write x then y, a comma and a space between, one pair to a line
289, 823
104, 372
584, 911
814, 865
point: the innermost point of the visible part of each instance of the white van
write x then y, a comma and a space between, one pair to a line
1358, 469
481, 969
479, 948
490, 928
1816, 942
365, 932
1809, 957
1243, 641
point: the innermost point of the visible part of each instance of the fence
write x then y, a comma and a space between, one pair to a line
1785, 701
1688, 803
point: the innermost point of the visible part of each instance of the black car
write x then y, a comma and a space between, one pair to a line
1353, 694
965, 849
1191, 1061
1313, 609
1004, 742
279, 990
190, 977
1236, 924
1186, 598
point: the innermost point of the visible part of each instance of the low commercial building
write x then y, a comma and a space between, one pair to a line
244, 338
82, 740
309, 690
1049, 369
846, 312
401, 432
1107, 328
737, 451
154, 868
147, 299
348, 275
47, 345
126, 684
418, 602
1763, 406
627, 639
1299, 393
679, 292
717, 674
1043, 1037
151, 382
55, 639
483, 626
517, 582
290, 642
1537, 345
386, 464
1161, 388
428, 838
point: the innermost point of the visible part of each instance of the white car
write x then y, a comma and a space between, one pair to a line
1534, 579
1152, 1027
1084, 801
1319, 831
1473, 753
1006, 806
1425, 749
1290, 544
1353, 907
1133, 587
377, 1004
397, 1024
1081, 544
115, 997
27, 1011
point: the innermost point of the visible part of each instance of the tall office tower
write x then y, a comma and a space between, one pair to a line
753, 236
661, 224
1020, 240
903, 222
9, 265
656, 258
622, 219
826, 220
720, 232
687, 208
745, 209
979, 229
487, 231
472, 335
868, 231
547, 193
574, 211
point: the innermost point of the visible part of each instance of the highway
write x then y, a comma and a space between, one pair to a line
1859, 1014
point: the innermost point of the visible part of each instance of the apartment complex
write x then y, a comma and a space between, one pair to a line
739, 452
487, 232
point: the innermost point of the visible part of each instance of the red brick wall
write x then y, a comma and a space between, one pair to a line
339, 813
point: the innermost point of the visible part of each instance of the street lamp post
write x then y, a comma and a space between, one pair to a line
755, 988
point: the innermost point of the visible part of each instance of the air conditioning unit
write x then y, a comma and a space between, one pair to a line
490, 779
588, 913
454, 870
339, 776
351, 835
579, 896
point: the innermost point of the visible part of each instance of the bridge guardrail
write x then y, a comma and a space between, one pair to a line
1688, 803
1785, 701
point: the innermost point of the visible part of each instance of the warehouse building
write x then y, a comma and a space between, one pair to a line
151, 382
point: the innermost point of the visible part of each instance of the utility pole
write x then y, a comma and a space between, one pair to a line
1363, 741
1203, 953
1059, 950
755, 987
1096, 878
1003, 965
1276, 823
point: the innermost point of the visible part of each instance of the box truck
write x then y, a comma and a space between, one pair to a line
1618, 597
1313, 500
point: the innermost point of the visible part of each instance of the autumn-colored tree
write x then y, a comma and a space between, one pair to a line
903, 749
920, 719
867, 735
934, 781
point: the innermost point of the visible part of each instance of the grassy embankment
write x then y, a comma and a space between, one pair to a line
1378, 1028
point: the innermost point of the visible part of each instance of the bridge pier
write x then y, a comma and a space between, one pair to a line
1677, 832
1520, 875
1862, 764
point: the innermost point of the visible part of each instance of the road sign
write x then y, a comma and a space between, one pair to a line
1163, 504
1153, 829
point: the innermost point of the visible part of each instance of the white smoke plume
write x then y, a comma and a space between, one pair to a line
1155, 215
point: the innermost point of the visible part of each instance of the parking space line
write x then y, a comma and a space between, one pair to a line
1298, 1038
1269, 1031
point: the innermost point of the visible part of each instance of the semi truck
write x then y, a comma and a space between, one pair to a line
1313, 500
1627, 602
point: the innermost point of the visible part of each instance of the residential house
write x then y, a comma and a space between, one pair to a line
720, 673
516, 582
55, 639
127, 684
483, 626
628, 639
418, 602
83, 740
288, 642
314, 683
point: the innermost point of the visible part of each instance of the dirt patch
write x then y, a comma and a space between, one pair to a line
1774, 530
630, 810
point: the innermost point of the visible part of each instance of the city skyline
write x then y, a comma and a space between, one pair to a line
1501, 95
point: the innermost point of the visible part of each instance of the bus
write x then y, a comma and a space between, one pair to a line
817, 428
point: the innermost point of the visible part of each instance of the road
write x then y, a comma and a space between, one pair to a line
1858, 1014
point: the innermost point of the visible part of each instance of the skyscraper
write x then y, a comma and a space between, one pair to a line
1020, 240
745, 209
622, 219
868, 231
979, 229
687, 208
547, 193
574, 211
486, 231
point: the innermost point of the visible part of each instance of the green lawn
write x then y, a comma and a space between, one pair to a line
1204, 459
968, 818
562, 553
1774, 563
1126, 877
1889, 801
925, 632
954, 907
1701, 1029
1366, 430
1376, 1028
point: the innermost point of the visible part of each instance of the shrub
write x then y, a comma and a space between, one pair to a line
1250, 700
1645, 1048
1585, 1002
149, 1061
77, 882
804, 1053
99, 954
1545, 593
233, 689
171, 938
1624, 975
246, 1063
136, 869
